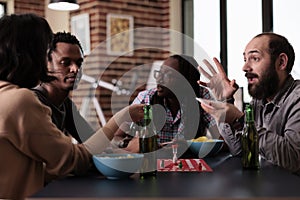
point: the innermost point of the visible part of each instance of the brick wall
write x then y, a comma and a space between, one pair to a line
30, 6
150, 44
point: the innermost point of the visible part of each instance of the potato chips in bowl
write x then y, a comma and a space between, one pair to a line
205, 147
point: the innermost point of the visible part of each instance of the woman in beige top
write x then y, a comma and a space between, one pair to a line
30, 144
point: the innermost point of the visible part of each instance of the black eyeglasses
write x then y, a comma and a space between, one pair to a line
159, 75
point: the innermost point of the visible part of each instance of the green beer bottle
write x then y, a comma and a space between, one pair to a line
250, 156
148, 144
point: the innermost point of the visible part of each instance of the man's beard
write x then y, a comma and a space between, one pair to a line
267, 85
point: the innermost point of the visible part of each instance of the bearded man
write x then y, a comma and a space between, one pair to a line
269, 59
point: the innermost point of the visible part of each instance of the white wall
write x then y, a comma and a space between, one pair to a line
286, 19
10, 9
58, 20
175, 25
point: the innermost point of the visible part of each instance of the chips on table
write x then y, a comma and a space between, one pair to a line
201, 139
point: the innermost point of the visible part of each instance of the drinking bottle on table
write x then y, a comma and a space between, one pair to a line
250, 156
148, 144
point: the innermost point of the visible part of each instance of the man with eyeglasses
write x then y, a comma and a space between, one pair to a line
176, 112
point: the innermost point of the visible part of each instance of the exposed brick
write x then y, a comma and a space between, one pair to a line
150, 44
30, 6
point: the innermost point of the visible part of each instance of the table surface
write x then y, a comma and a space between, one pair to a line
228, 180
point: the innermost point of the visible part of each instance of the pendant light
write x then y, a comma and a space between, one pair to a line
63, 5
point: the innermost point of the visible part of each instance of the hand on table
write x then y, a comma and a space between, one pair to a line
133, 145
222, 87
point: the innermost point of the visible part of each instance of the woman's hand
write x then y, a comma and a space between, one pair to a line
222, 87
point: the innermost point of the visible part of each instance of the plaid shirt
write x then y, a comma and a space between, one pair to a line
172, 125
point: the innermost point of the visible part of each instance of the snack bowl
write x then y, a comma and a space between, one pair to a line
117, 166
205, 148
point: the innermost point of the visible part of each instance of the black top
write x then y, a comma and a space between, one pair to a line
66, 117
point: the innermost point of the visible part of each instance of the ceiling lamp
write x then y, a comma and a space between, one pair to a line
63, 5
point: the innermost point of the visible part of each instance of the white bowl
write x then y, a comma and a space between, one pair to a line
116, 166
207, 148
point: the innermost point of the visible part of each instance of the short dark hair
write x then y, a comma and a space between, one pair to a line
279, 44
24, 41
65, 37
